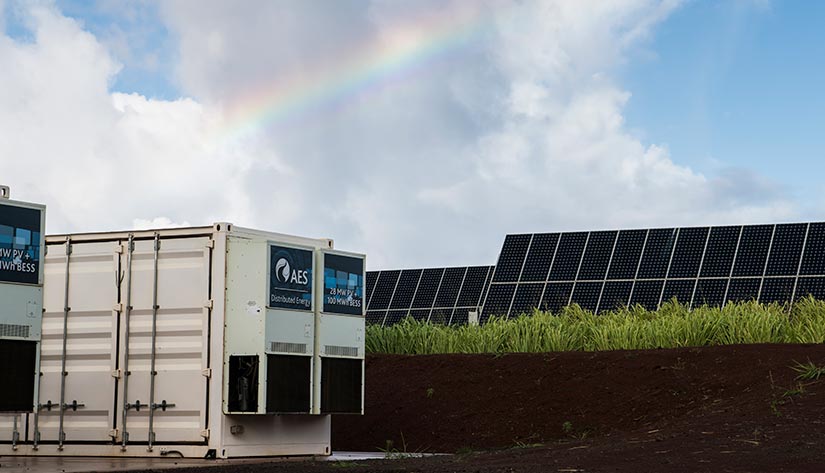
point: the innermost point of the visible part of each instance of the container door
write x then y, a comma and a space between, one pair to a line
82, 399
165, 393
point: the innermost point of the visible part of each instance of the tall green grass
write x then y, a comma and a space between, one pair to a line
574, 329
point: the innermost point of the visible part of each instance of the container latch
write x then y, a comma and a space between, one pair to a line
162, 406
73, 406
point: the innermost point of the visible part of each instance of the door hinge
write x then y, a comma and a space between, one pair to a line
207, 373
119, 249
117, 373
114, 433
117, 307
210, 304
210, 244
205, 433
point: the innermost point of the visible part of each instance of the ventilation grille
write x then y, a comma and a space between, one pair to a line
285, 347
335, 350
12, 330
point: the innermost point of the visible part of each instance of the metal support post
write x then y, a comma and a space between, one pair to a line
127, 313
152, 372
61, 436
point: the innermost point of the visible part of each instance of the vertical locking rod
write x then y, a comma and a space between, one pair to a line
127, 314
37, 407
61, 435
152, 372
15, 436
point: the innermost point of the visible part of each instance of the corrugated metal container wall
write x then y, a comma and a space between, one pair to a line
95, 351
91, 342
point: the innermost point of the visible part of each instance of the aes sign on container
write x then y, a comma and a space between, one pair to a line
290, 278
343, 284
20, 244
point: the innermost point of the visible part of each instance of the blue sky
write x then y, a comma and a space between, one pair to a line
133, 30
139, 32
741, 85
561, 116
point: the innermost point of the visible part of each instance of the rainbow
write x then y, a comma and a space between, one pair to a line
407, 49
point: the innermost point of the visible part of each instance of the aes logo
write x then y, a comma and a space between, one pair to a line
290, 277
285, 274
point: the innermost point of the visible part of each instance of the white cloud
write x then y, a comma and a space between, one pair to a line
519, 129
157, 223
104, 160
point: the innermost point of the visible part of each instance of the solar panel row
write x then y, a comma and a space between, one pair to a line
605, 270
438, 295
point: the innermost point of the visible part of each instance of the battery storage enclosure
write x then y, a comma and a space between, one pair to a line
21, 302
195, 342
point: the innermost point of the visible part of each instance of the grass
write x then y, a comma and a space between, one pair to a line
575, 329
392, 453
809, 371
346, 464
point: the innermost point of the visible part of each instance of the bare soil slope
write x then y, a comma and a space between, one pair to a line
655, 407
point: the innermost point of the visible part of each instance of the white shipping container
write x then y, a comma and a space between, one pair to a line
209, 341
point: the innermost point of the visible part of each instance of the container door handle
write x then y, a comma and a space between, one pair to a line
163, 405
73, 406
137, 405
48, 406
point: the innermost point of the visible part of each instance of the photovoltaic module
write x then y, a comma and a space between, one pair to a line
439, 295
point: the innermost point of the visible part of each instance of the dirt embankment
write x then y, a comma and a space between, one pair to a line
661, 406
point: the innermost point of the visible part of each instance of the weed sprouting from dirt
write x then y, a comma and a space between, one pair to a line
345, 464
775, 407
389, 450
573, 432
430, 392
521, 444
531, 441
392, 453
794, 391
786, 397
808, 371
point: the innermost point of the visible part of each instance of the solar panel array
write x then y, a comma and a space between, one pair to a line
438, 295
605, 270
